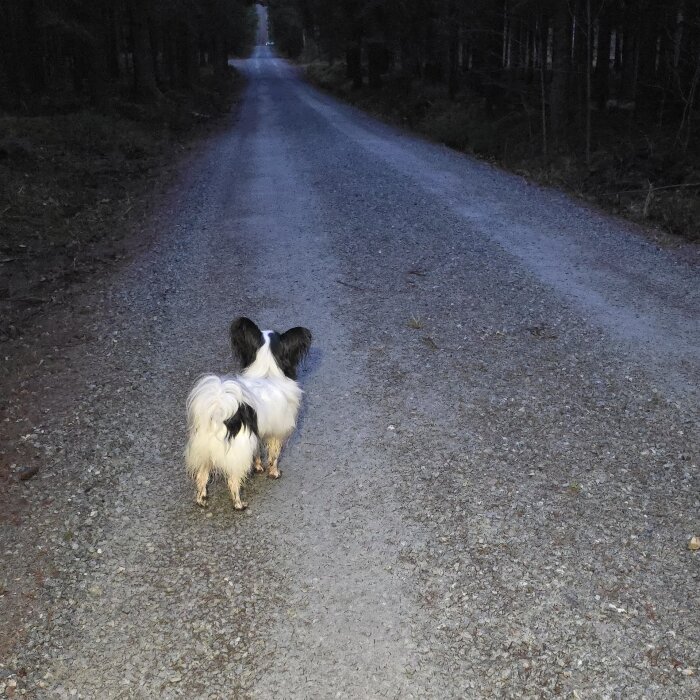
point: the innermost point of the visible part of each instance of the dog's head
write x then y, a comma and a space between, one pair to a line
263, 352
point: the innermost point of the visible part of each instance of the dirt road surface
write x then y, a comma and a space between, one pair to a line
494, 479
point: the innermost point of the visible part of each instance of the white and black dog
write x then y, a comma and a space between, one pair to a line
228, 416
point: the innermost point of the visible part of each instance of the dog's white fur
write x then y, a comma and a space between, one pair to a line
274, 396
214, 399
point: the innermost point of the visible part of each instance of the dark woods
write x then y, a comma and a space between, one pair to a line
611, 84
587, 54
99, 102
597, 96
53, 52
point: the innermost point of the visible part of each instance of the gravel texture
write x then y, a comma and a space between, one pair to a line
494, 480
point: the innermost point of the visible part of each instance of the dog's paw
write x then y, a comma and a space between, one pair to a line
202, 501
276, 474
241, 505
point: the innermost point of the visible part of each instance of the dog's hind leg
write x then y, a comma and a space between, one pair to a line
236, 471
236, 461
274, 447
199, 466
202, 479
234, 486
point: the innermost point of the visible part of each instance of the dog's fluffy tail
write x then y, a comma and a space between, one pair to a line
211, 402
222, 427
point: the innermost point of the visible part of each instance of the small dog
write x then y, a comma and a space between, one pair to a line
228, 416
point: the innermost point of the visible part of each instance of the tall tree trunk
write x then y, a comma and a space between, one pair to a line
453, 49
602, 69
543, 40
186, 55
98, 53
32, 43
630, 55
144, 76
579, 76
169, 53
589, 68
353, 57
561, 64
10, 61
649, 32
376, 62
220, 51
111, 39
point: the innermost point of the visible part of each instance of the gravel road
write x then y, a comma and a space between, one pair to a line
495, 476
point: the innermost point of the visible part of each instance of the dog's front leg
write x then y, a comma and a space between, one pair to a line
257, 463
274, 447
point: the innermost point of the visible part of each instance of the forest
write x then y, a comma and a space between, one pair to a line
55, 53
598, 95
100, 102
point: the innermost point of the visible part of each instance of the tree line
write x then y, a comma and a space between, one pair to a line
87, 48
565, 59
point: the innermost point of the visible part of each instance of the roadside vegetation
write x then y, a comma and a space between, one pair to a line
95, 113
594, 96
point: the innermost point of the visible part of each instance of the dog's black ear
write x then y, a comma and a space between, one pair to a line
293, 346
246, 340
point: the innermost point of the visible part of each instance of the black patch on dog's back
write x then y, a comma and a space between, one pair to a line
246, 340
290, 348
244, 417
